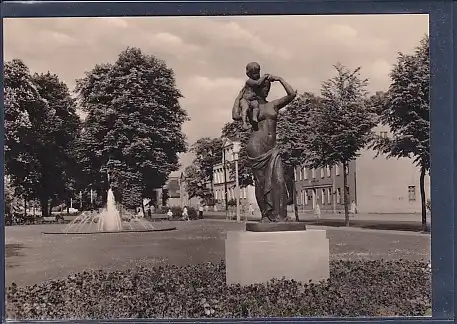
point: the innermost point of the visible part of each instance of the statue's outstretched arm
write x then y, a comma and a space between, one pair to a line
290, 94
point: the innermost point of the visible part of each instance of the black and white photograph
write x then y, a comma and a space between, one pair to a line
217, 167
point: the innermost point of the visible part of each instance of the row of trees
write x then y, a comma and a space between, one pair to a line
331, 128
131, 134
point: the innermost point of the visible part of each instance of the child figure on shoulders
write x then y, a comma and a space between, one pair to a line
251, 92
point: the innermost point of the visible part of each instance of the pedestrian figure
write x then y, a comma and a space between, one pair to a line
170, 214
317, 211
200, 212
185, 215
353, 209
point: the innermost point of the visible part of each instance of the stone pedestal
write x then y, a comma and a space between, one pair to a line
257, 257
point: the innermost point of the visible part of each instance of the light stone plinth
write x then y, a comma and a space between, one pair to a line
257, 257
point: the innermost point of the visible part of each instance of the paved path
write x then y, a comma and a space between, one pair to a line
32, 257
408, 222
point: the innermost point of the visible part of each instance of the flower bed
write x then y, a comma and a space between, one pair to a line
361, 288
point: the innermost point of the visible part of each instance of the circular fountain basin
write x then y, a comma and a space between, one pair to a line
163, 229
109, 221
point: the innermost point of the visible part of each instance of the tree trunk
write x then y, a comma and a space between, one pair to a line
333, 174
212, 188
25, 206
345, 194
50, 207
142, 208
44, 206
423, 204
294, 190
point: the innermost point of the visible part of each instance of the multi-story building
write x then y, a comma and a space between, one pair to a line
324, 187
176, 194
224, 185
376, 184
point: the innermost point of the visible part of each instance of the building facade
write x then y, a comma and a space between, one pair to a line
224, 184
172, 189
324, 187
375, 184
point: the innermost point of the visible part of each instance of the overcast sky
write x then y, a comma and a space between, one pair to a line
209, 54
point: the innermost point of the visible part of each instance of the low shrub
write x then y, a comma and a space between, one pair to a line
360, 288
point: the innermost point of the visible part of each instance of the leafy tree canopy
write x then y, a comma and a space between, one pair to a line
342, 123
405, 107
41, 126
134, 122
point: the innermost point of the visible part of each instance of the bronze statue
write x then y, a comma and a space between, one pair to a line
269, 177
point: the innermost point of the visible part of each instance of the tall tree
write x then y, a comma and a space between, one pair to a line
196, 184
208, 152
40, 117
293, 136
342, 125
21, 101
234, 131
406, 110
133, 127
58, 136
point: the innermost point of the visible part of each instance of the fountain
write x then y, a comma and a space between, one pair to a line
109, 220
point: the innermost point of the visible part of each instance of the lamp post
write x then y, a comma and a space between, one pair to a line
224, 165
236, 151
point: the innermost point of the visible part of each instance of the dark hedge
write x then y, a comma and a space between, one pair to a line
361, 288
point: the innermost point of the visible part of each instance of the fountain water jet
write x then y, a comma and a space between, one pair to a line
108, 221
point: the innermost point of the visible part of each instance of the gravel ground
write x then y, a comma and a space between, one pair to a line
32, 257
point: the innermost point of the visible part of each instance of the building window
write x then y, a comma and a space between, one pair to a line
383, 134
337, 170
300, 172
412, 193
323, 196
329, 195
305, 197
313, 173
322, 173
305, 174
329, 173
338, 195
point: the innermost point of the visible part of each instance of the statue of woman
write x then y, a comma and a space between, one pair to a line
269, 177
